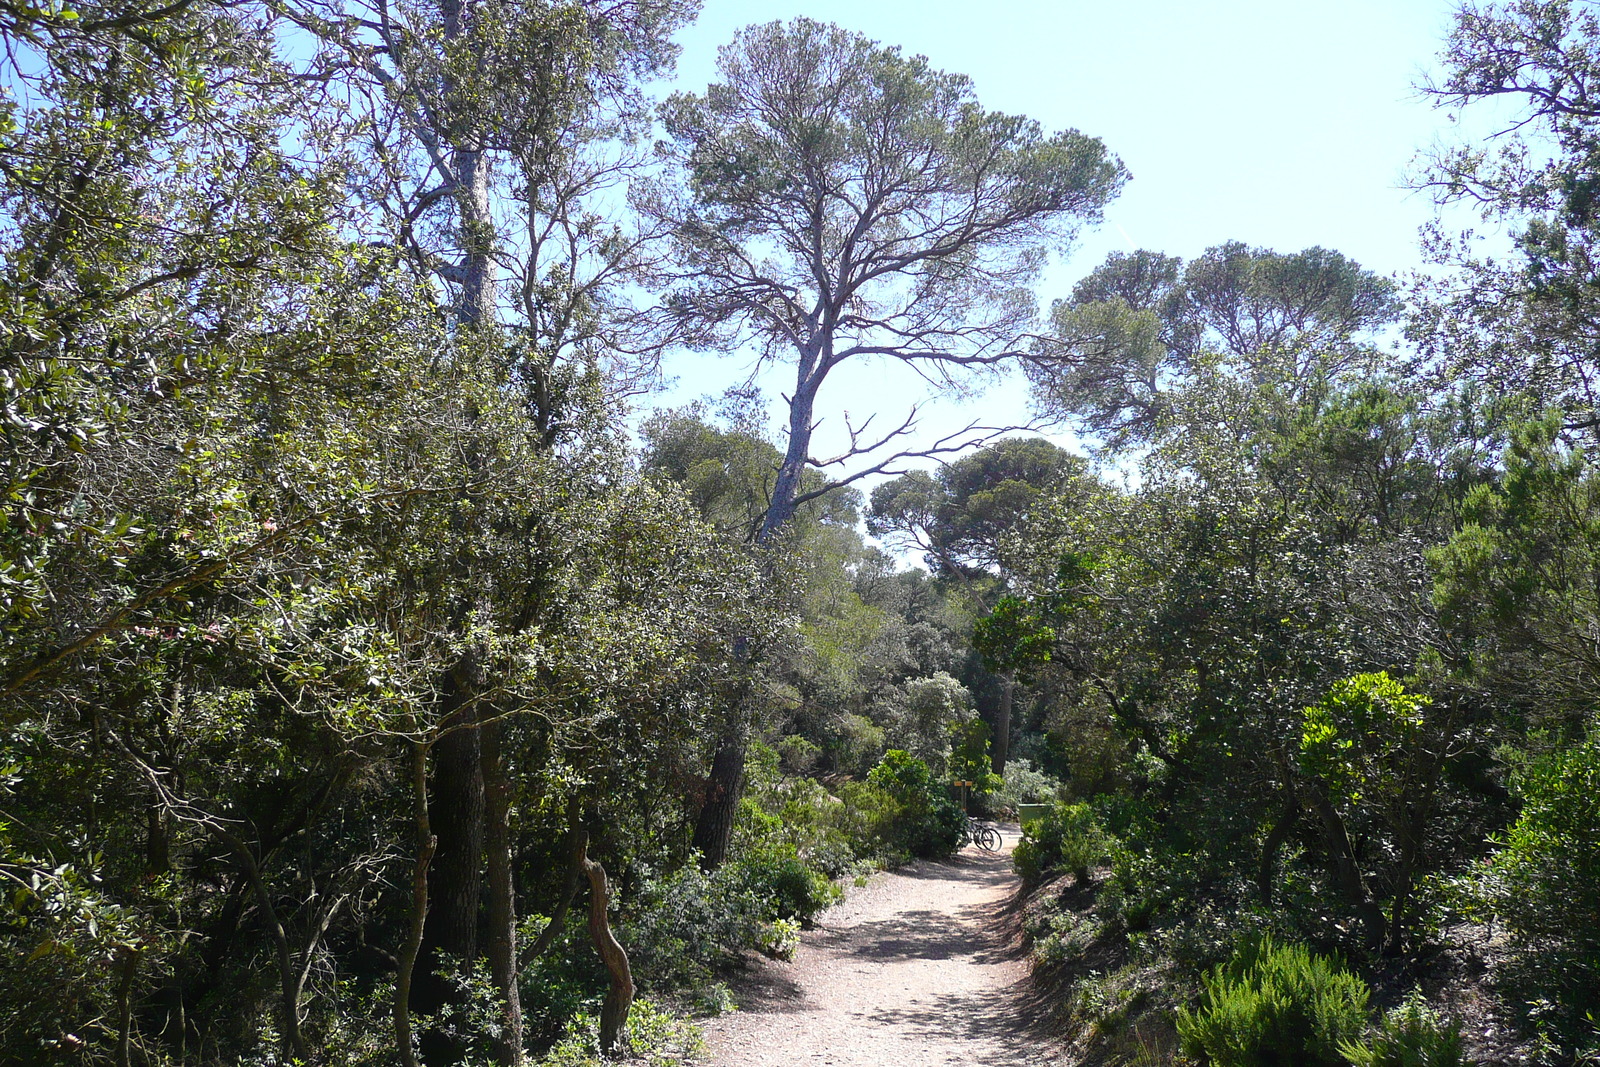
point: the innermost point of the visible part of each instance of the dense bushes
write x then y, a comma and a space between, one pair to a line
1023, 783
922, 820
1275, 1006
1545, 883
655, 1038
1070, 838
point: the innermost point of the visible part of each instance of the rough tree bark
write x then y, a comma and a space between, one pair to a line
1347, 876
713, 829
455, 878
1002, 721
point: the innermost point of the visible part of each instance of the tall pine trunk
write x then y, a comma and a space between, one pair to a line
719, 807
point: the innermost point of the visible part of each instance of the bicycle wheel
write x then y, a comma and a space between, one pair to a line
988, 838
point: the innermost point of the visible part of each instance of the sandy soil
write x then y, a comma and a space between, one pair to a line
909, 970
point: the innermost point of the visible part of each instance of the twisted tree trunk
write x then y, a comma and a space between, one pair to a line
619, 998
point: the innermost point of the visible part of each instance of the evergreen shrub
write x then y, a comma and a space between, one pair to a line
1070, 838
1411, 1035
1545, 884
926, 821
1275, 1006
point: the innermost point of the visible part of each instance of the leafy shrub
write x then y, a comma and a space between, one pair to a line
927, 822
795, 814
799, 755
780, 938
1545, 883
689, 924
1062, 936
1411, 1035
1070, 838
567, 977
1274, 1005
970, 760
780, 883
655, 1038
867, 818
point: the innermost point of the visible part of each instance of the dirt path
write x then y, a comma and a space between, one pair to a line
905, 973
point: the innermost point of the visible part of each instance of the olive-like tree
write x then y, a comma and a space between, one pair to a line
848, 202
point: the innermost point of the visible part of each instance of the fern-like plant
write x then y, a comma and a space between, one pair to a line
1275, 1006
1410, 1035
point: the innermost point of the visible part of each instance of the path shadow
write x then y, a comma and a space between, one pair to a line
999, 1016
914, 935
969, 865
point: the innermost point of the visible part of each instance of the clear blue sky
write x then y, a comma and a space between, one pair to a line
1280, 124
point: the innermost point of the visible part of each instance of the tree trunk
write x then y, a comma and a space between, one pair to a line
450, 937
719, 809
1002, 721
780, 509
157, 838
426, 843
130, 968
501, 939
1277, 837
619, 998
477, 306
475, 229
1346, 872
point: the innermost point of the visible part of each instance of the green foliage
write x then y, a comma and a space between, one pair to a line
785, 886
1518, 572
925, 717
1070, 838
781, 815
1275, 1006
1144, 326
925, 821
565, 980
961, 515
653, 1036
1375, 753
1023, 783
1409, 1035
1357, 738
689, 925
1545, 883
969, 756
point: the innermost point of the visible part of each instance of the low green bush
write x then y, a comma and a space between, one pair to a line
687, 925
1411, 1035
1025, 784
1070, 838
1275, 1006
654, 1037
782, 885
782, 812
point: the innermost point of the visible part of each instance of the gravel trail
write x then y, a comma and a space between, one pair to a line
906, 972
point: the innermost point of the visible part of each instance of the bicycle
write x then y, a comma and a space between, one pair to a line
982, 834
